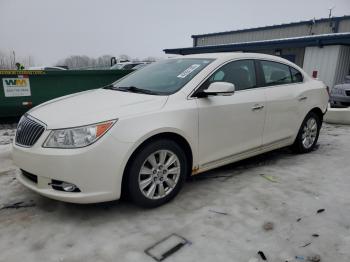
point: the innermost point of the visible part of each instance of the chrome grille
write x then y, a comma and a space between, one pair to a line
28, 132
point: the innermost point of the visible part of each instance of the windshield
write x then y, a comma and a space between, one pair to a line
164, 77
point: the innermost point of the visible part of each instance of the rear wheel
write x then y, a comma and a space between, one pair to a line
157, 173
308, 134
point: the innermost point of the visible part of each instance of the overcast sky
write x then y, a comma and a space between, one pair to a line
53, 29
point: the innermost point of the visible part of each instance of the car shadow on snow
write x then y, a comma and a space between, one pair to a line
123, 208
237, 168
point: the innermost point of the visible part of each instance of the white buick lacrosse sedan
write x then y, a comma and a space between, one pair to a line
145, 133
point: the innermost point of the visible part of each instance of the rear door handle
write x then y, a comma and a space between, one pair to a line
257, 107
302, 98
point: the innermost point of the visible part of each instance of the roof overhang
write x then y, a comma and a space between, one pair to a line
255, 29
313, 40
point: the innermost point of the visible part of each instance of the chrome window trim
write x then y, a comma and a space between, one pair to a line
190, 96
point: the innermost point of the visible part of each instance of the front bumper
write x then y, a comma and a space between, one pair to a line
96, 170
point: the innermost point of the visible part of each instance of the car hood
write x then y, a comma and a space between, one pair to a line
94, 106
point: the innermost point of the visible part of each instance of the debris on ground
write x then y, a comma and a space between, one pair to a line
6, 172
299, 219
307, 244
270, 178
19, 205
268, 226
166, 247
6, 136
314, 258
315, 235
262, 255
320, 210
218, 212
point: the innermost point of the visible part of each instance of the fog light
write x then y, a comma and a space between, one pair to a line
64, 186
68, 187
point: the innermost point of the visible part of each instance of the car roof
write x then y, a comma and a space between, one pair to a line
236, 55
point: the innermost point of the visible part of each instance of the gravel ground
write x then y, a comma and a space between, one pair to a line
228, 214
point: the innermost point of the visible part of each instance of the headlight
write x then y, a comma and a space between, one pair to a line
78, 136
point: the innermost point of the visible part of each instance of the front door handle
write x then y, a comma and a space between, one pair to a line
257, 107
302, 98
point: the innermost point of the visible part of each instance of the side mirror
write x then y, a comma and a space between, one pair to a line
220, 89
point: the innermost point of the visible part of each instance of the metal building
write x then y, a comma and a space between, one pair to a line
321, 47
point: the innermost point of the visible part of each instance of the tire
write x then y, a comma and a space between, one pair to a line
156, 173
307, 137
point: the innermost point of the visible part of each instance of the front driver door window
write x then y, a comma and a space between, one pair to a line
240, 73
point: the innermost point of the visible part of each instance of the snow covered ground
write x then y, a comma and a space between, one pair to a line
222, 213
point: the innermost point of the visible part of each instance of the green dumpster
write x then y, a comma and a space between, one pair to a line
22, 90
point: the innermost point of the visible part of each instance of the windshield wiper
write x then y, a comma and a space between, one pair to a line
110, 86
113, 87
135, 89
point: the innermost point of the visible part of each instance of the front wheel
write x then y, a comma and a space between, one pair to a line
156, 173
308, 134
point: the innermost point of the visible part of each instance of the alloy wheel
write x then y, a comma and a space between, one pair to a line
159, 174
309, 133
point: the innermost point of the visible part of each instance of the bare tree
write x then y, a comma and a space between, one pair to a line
124, 57
85, 62
8, 60
28, 61
149, 59
104, 60
101, 62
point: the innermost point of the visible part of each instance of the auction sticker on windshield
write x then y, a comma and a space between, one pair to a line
188, 71
19, 86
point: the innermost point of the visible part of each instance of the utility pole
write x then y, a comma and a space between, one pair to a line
14, 59
330, 19
330, 12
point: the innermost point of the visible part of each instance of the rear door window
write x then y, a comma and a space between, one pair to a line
275, 73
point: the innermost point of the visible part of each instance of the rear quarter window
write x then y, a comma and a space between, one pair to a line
297, 77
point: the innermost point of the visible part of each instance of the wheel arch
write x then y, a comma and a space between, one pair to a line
180, 139
296, 146
318, 112
315, 109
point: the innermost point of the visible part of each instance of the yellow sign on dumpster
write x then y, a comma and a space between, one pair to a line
19, 86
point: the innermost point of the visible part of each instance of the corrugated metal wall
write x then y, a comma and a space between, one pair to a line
344, 26
254, 35
275, 33
331, 62
298, 52
343, 66
324, 60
